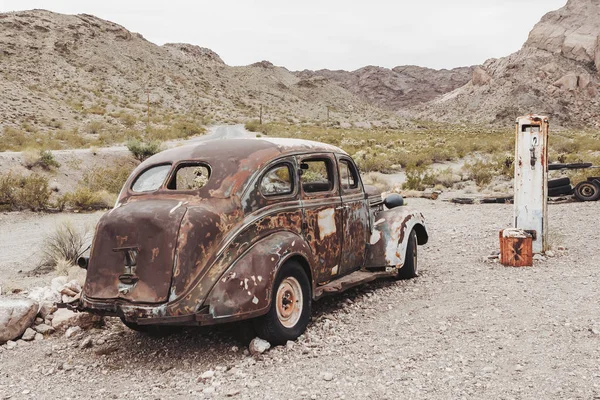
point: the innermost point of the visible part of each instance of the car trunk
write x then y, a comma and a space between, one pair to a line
134, 251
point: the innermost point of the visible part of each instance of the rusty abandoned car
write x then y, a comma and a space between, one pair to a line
235, 229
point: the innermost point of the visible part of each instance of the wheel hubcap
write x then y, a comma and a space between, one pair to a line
289, 302
587, 190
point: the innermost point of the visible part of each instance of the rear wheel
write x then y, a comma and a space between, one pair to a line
410, 267
290, 306
587, 191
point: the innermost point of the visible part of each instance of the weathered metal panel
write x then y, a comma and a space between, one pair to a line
389, 237
245, 288
531, 178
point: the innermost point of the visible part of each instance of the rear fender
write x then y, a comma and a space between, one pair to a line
390, 233
244, 290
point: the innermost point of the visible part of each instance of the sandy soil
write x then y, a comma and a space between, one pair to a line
466, 328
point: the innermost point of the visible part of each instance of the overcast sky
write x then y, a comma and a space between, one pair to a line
334, 34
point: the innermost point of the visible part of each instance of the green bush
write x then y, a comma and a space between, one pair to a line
481, 172
110, 179
418, 178
85, 199
18, 192
143, 150
253, 126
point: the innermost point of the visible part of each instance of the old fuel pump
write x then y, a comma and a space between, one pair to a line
531, 179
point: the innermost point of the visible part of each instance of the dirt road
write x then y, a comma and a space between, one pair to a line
464, 329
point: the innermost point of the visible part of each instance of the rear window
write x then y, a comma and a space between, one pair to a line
151, 179
190, 177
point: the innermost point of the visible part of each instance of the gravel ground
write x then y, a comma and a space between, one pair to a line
466, 328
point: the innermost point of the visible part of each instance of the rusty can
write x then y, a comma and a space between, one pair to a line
516, 248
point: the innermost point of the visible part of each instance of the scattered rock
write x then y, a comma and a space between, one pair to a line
72, 331
86, 343
64, 318
232, 392
207, 374
539, 257
11, 345
44, 329
327, 376
29, 334
38, 337
550, 253
58, 283
109, 348
16, 315
46, 309
258, 346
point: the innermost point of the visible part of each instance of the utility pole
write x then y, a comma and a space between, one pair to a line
148, 122
327, 116
260, 117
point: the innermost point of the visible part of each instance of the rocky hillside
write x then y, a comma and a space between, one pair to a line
64, 71
555, 73
397, 88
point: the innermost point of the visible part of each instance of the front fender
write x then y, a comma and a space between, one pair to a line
244, 290
390, 233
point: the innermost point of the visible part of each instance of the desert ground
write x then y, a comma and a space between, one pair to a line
467, 327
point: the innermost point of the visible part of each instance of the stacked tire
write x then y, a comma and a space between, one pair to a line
559, 187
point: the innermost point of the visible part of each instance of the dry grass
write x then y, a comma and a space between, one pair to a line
66, 243
18, 192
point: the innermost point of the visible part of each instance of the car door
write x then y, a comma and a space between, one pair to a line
322, 213
355, 216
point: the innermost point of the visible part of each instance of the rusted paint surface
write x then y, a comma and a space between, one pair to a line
211, 254
389, 237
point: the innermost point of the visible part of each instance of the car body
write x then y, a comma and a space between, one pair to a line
233, 229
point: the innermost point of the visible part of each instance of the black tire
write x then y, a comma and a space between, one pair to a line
410, 267
282, 323
559, 191
552, 183
587, 191
556, 166
579, 165
150, 330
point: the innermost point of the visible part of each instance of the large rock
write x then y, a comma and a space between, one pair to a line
43, 295
571, 31
16, 315
64, 318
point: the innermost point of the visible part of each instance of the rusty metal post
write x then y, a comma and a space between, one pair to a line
531, 179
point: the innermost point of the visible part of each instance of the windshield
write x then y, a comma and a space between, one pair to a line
151, 179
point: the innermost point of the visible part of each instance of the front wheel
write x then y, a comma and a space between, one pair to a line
410, 267
290, 306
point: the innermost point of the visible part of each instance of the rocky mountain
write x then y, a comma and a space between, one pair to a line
555, 73
398, 88
64, 71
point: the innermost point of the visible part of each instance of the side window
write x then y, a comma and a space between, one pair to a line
151, 179
277, 181
189, 177
348, 175
316, 175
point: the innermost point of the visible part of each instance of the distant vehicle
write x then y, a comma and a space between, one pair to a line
234, 229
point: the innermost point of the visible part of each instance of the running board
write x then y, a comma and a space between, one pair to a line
351, 280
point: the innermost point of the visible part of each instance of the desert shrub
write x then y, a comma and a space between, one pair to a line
143, 150
110, 179
446, 178
253, 126
128, 120
67, 242
36, 158
94, 127
481, 172
373, 179
18, 192
85, 199
418, 178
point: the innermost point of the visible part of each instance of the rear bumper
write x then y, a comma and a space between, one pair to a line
143, 314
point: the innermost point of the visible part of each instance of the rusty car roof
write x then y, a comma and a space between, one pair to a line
234, 161
260, 149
